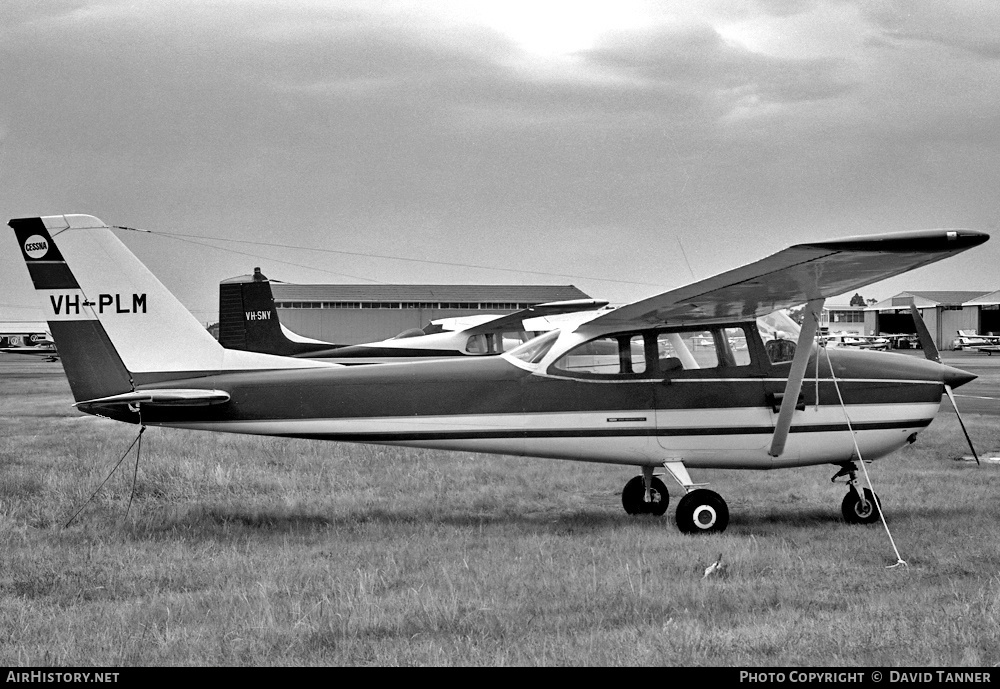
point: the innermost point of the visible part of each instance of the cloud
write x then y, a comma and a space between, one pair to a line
427, 128
697, 64
964, 25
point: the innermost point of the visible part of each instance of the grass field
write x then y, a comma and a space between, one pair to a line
247, 551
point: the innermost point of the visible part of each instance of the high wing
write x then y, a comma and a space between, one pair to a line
794, 276
513, 321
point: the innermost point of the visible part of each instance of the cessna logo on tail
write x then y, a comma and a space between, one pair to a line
36, 246
258, 315
69, 304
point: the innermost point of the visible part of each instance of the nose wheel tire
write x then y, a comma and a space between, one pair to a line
702, 511
634, 497
857, 511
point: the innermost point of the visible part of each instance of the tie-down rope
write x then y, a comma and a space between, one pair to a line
138, 439
861, 460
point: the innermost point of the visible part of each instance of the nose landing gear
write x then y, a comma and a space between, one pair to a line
859, 507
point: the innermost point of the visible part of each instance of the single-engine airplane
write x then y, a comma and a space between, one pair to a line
969, 339
27, 338
677, 381
248, 320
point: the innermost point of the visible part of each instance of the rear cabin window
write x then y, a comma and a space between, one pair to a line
656, 354
686, 351
494, 343
736, 339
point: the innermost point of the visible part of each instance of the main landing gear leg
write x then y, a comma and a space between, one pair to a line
645, 494
700, 510
859, 507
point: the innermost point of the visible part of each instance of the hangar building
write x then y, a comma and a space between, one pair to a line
843, 318
350, 314
944, 312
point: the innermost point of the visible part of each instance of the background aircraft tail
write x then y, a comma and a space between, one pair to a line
115, 324
248, 320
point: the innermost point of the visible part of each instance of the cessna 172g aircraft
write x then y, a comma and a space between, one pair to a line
677, 381
248, 320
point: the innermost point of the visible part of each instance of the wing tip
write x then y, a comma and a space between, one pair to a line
915, 241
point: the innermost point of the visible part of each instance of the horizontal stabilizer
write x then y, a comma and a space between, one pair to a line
169, 397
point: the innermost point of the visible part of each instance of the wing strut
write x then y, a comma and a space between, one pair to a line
932, 354
793, 387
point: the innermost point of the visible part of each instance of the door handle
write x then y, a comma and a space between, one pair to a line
773, 399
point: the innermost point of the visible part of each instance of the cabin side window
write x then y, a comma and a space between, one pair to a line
596, 357
685, 351
477, 344
492, 343
656, 354
691, 350
738, 349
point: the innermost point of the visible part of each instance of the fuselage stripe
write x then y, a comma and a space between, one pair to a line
387, 436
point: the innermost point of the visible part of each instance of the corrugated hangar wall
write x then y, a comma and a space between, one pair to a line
352, 326
350, 314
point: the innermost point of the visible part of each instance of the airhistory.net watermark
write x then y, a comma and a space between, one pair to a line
62, 677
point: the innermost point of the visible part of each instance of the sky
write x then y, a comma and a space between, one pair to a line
625, 147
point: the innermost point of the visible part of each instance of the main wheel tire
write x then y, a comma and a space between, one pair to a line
634, 497
857, 512
702, 511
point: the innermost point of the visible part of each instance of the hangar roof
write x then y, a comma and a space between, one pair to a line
949, 296
929, 299
987, 299
531, 294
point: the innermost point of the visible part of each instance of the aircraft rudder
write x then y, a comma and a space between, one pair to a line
248, 319
83, 272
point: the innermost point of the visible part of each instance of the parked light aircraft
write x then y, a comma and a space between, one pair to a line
969, 339
248, 320
27, 338
657, 383
856, 341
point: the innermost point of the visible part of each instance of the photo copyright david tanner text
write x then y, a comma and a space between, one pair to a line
890, 676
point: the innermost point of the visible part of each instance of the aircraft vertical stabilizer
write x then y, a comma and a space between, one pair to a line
248, 320
99, 298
